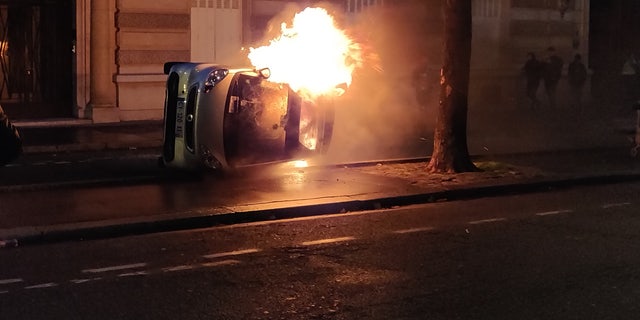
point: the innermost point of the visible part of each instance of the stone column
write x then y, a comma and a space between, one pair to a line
103, 88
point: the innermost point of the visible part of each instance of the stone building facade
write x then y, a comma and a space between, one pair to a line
120, 46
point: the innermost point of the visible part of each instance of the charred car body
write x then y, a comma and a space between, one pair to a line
221, 118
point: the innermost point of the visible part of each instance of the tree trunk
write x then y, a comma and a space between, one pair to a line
450, 151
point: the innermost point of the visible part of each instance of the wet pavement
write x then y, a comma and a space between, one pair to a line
78, 135
121, 190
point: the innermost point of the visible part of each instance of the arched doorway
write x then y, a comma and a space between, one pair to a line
37, 48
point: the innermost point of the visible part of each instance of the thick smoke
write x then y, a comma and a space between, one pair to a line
382, 115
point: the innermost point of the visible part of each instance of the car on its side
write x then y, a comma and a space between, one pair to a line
221, 118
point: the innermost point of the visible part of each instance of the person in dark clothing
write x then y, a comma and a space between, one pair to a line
425, 83
10, 140
532, 70
631, 80
577, 74
551, 73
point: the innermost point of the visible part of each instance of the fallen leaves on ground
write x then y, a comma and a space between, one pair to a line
416, 173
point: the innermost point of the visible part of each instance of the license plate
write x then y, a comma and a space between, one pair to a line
180, 118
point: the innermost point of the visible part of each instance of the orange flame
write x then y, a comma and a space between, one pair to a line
313, 56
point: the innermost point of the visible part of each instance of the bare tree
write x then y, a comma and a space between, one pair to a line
450, 150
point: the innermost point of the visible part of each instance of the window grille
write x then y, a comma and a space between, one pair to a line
356, 6
486, 8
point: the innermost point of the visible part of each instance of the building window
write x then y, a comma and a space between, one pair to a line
355, 6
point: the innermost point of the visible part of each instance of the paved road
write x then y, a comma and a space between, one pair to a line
561, 254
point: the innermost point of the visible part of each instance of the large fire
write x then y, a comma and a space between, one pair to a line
313, 56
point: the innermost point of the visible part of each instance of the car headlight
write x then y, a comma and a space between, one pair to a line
214, 77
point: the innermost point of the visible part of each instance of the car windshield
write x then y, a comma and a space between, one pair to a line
255, 120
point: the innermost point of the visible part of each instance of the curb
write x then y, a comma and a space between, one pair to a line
210, 217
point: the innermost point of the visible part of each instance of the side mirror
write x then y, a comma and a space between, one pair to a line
264, 73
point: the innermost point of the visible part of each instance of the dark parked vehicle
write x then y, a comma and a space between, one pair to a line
10, 140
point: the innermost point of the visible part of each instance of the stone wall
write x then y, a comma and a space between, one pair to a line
149, 33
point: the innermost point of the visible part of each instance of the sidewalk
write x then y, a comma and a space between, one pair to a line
275, 191
80, 135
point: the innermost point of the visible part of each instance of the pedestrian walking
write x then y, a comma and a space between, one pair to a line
577, 74
551, 74
533, 71
630, 74
425, 81
10, 140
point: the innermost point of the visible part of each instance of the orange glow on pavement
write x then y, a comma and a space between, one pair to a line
300, 164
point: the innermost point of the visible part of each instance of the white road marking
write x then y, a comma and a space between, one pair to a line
115, 268
613, 205
42, 285
550, 213
3, 292
79, 281
487, 220
178, 268
220, 263
133, 274
62, 162
231, 253
413, 230
324, 241
9, 281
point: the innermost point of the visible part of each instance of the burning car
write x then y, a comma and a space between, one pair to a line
220, 118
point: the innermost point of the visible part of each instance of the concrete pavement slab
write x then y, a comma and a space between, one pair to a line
272, 192
520, 150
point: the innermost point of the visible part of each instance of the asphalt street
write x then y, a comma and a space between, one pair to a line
560, 254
